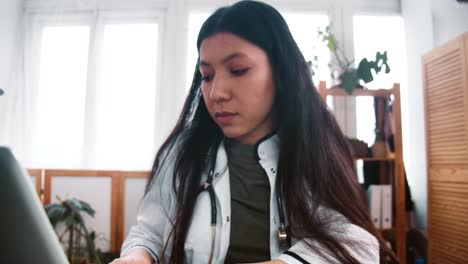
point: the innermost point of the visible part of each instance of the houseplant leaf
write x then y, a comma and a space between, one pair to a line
76, 204
87, 208
349, 80
55, 213
382, 57
364, 71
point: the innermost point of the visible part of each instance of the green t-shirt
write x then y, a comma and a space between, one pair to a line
250, 205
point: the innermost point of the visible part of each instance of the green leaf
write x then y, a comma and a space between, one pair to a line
365, 67
76, 204
364, 71
331, 42
55, 213
382, 57
349, 81
87, 208
51, 206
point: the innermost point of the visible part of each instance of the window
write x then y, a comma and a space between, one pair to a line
372, 34
304, 27
126, 98
195, 21
60, 117
96, 95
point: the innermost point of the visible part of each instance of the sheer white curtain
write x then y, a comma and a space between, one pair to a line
16, 103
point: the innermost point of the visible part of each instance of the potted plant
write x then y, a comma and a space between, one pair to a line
69, 212
343, 69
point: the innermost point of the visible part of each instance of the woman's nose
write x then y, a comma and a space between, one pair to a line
220, 89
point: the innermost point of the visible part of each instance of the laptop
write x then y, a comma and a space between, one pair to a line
26, 234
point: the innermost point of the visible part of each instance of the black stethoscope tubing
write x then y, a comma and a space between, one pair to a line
208, 186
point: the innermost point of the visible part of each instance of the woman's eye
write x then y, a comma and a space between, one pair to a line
207, 78
239, 71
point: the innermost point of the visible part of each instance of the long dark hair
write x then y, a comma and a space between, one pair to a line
315, 166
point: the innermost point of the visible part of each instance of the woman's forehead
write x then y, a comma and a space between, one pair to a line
223, 46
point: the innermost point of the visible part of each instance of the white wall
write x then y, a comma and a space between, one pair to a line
419, 40
9, 18
449, 19
428, 23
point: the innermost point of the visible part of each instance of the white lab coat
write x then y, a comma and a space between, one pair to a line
157, 210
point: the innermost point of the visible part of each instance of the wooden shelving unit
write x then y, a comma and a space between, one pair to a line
399, 220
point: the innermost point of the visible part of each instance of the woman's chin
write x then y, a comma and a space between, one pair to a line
231, 132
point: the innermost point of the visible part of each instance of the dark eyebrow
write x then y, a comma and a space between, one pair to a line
225, 60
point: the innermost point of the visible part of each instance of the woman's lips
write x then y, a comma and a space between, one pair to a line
225, 118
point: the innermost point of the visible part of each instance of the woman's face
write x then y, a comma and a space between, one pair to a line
237, 86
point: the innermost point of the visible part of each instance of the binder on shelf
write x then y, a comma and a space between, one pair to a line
374, 196
386, 206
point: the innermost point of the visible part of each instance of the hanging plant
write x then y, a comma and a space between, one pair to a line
349, 77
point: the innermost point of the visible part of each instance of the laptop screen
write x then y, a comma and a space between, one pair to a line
26, 233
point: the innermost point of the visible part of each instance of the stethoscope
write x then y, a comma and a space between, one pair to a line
283, 237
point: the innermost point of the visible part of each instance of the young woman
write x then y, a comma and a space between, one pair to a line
256, 169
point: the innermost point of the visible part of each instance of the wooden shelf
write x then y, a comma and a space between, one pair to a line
360, 92
390, 157
386, 230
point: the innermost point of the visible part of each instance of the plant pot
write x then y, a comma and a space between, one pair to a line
379, 149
